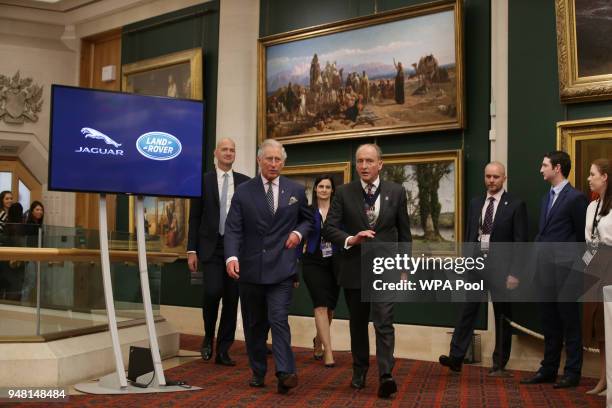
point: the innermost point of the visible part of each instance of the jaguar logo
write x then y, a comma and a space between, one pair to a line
95, 134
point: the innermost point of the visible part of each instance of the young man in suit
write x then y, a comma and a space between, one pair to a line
268, 219
376, 210
562, 219
205, 244
496, 216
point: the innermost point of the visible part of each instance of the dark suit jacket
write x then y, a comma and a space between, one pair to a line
258, 238
509, 225
346, 217
566, 220
204, 216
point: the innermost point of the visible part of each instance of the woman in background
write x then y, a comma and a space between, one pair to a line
318, 271
6, 200
13, 271
598, 234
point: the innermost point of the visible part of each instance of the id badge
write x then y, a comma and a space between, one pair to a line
587, 257
326, 249
484, 242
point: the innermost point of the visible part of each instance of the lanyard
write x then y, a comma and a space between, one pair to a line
595, 220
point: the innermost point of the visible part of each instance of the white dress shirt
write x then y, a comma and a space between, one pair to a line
274, 189
230, 186
496, 199
604, 225
558, 188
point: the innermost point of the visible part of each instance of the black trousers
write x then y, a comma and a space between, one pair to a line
465, 329
219, 286
359, 317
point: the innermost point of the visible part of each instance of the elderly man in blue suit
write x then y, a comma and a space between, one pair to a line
562, 219
268, 218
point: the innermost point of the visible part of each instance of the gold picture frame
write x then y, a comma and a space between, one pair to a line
444, 234
177, 75
173, 75
583, 75
584, 140
331, 105
307, 173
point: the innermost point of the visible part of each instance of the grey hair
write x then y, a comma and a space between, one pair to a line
271, 143
372, 145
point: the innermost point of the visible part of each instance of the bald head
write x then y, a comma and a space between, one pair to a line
495, 177
225, 153
500, 167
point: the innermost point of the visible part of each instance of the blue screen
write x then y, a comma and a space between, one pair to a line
110, 142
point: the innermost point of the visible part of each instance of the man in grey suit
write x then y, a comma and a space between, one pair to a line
376, 210
268, 218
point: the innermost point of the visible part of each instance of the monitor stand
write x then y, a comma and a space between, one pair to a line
116, 383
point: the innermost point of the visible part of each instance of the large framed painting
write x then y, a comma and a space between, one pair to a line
584, 52
584, 141
176, 75
434, 191
394, 72
306, 174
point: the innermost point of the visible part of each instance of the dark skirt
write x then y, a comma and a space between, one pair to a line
318, 273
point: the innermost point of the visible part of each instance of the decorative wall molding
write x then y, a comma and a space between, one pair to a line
20, 99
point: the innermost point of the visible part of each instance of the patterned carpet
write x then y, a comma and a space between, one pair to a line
421, 384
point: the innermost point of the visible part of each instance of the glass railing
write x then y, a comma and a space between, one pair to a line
46, 295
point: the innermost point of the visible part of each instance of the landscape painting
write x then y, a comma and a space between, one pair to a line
434, 195
397, 72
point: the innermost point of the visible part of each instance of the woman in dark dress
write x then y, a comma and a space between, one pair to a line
318, 271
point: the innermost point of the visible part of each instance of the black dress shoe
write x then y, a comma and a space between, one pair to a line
567, 382
539, 378
256, 381
224, 359
206, 349
286, 381
359, 379
386, 387
451, 362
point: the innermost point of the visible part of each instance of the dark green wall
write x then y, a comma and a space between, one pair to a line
193, 27
535, 108
277, 16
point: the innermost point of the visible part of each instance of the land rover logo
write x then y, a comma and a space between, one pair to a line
158, 146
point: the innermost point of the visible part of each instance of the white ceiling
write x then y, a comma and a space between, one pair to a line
52, 5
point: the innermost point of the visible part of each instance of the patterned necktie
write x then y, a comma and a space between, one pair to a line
551, 200
223, 204
270, 197
369, 205
487, 225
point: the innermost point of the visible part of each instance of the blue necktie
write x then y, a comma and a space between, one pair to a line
551, 200
223, 204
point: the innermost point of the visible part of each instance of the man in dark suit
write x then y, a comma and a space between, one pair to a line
376, 210
496, 216
205, 244
268, 219
562, 219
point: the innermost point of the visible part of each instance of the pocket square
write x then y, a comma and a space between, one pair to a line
292, 200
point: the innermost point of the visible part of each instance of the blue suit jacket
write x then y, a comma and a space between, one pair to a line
257, 238
566, 220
